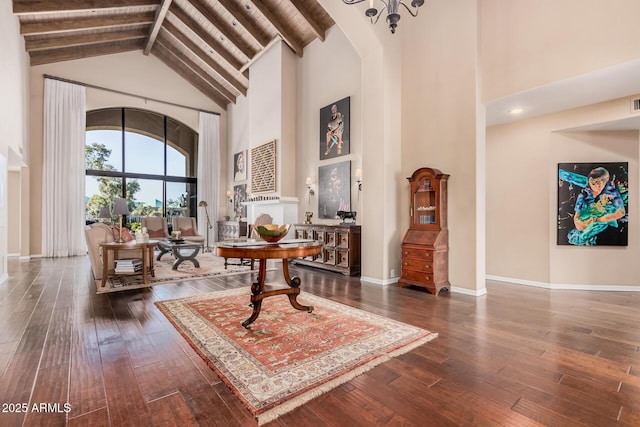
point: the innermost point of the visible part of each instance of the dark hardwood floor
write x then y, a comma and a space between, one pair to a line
520, 356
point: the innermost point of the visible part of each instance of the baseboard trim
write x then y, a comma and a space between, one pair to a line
384, 282
472, 292
561, 286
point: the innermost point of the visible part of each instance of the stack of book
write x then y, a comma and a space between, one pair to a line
128, 265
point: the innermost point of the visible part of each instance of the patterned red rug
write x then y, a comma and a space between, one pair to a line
288, 356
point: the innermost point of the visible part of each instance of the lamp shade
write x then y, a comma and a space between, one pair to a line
120, 207
202, 203
104, 212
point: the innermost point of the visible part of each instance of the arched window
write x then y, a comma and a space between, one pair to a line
145, 157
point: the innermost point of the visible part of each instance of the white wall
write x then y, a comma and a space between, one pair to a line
522, 160
527, 44
14, 128
439, 119
599, 265
327, 72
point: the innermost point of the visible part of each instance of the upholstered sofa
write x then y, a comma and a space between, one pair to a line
103, 233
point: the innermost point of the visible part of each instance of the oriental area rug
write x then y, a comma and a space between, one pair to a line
287, 357
210, 266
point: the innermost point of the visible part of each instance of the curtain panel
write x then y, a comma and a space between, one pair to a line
63, 175
208, 172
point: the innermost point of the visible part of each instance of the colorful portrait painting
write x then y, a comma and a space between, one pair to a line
239, 196
593, 204
334, 129
334, 189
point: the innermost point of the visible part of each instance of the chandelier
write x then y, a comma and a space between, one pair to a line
391, 6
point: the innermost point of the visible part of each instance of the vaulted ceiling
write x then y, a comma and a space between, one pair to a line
210, 43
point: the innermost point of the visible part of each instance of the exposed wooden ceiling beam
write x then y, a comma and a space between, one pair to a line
79, 52
310, 18
224, 27
189, 75
217, 67
206, 37
239, 14
284, 32
39, 6
82, 39
54, 26
161, 13
185, 59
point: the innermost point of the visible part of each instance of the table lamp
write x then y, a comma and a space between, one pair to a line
120, 208
105, 214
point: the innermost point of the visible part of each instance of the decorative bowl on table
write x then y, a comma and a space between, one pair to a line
273, 233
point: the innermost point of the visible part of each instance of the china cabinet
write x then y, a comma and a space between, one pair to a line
425, 247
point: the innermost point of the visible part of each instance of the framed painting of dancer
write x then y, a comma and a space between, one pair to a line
334, 129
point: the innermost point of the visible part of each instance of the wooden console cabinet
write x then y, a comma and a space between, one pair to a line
341, 250
425, 247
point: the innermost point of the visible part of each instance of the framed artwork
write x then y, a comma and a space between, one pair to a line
240, 166
263, 168
334, 189
334, 129
239, 196
593, 201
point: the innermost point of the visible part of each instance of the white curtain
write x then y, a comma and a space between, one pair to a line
63, 175
208, 172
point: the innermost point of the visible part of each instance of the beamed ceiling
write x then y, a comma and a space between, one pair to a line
210, 43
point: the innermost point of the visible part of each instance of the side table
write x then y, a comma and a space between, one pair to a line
147, 262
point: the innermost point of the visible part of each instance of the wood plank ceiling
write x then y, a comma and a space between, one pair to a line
210, 43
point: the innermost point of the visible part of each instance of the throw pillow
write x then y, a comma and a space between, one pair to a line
126, 234
184, 232
155, 233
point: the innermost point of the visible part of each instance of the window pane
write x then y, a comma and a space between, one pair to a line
176, 163
100, 192
104, 150
144, 142
143, 154
181, 199
182, 141
146, 197
132, 142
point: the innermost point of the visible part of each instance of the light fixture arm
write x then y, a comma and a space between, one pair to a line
392, 7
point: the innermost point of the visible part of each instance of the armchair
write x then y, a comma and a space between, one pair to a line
188, 229
156, 226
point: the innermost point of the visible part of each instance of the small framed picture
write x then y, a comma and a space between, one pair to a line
240, 166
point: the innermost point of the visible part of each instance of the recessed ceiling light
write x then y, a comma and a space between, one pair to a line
515, 111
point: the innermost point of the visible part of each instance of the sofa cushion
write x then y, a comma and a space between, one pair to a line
156, 233
126, 234
185, 232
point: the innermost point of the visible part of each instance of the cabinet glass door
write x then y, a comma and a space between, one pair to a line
424, 203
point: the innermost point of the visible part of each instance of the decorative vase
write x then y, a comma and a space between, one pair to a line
308, 216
